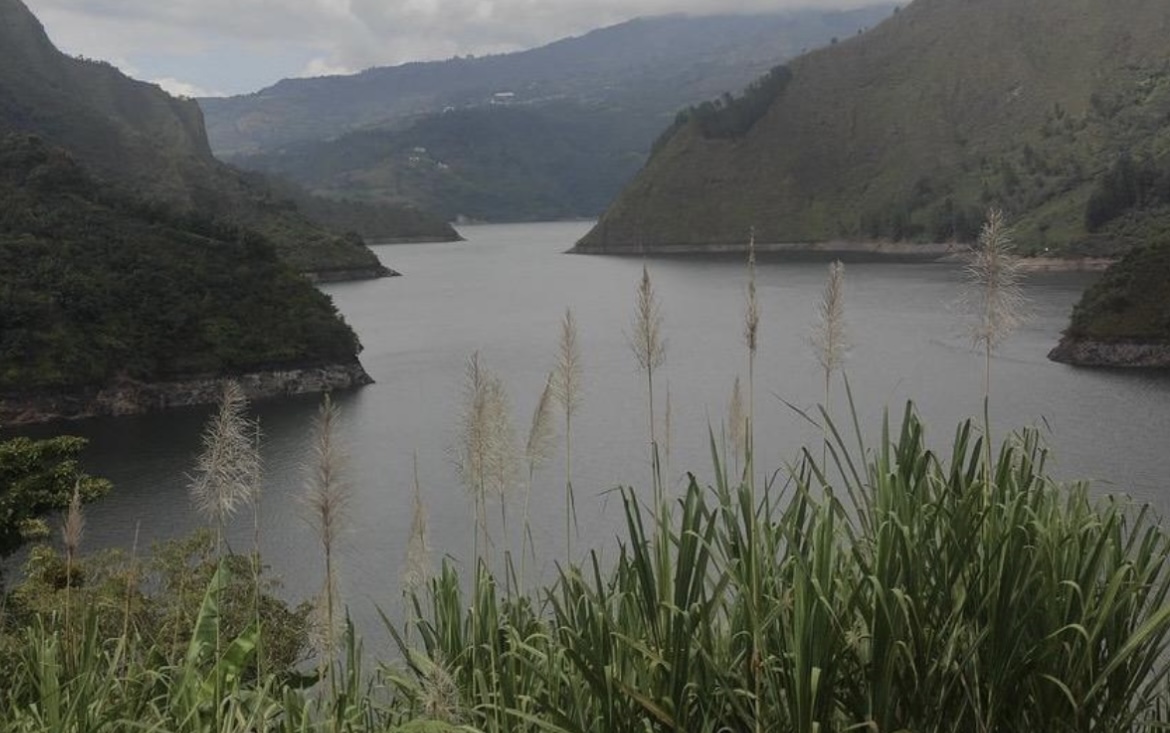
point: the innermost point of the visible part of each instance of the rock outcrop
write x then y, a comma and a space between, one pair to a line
129, 397
1086, 352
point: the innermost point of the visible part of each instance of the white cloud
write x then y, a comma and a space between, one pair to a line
180, 88
323, 67
220, 37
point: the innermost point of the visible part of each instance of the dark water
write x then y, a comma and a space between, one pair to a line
503, 293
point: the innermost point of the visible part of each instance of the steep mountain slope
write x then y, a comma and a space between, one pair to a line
100, 290
912, 130
150, 143
653, 63
551, 133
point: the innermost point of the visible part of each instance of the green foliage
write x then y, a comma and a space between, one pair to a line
896, 588
901, 589
134, 135
733, 116
891, 136
96, 287
1131, 301
1130, 184
160, 601
377, 221
504, 163
38, 477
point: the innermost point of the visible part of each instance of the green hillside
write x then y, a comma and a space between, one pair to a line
912, 130
1131, 302
494, 163
153, 145
655, 65
96, 286
550, 133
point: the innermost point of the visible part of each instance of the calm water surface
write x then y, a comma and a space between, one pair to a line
503, 293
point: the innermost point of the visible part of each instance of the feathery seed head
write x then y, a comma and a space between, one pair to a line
993, 294
74, 525
439, 693
327, 494
487, 455
417, 570
738, 420
227, 470
566, 381
646, 339
829, 338
751, 327
542, 434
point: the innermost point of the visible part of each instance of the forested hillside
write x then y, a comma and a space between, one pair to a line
1052, 110
97, 287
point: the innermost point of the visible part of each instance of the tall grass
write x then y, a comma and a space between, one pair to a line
648, 345
566, 384
326, 498
882, 589
889, 586
751, 336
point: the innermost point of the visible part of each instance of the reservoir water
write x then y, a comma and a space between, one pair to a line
503, 293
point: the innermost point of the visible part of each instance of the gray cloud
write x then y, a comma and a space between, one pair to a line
238, 45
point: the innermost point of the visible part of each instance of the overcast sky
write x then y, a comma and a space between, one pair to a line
215, 47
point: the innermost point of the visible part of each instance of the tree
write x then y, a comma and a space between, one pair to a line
38, 477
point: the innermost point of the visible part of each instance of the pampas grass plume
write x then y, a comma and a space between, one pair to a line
73, 527
993, 290
227, 468
542, 433
751, 328
327, 497
829, 337
737, 420
417, 570
567, 375
645, 338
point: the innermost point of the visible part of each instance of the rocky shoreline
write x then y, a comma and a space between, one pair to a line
827, 250
945, 252
1086, 352
376, 241
129, 397
1065, 264
350, 274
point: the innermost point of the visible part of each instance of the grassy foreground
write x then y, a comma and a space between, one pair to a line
867, 587
884, 589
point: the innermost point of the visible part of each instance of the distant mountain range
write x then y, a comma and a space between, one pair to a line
1055, 110
134, 135
553, 132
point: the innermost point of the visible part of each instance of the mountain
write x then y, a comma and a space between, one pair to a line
550, 133
105, 292
496, 163
654, 63
153, 145
913, 130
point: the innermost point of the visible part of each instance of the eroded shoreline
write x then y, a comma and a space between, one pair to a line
131, 397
